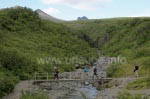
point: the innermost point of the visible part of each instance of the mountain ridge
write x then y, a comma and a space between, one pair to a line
46, 16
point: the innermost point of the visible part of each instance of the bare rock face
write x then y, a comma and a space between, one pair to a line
46, 16
82, 18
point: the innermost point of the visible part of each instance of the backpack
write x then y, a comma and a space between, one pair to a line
136, 67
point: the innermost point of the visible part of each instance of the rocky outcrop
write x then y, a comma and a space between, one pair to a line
82, 18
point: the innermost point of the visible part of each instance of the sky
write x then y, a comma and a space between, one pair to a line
93, 9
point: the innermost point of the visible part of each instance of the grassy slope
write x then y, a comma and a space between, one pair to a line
25, 37
142, 83
34, 37
127, 37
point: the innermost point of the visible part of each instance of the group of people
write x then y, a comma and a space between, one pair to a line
136, 68
95, 74
85, 70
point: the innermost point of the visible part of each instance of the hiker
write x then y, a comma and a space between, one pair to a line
136, 68
56, 74
95, 73
85, 70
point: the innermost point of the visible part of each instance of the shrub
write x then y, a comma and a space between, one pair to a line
142, 83
18, 63
34, 95
112, 70
126, 95
7, 83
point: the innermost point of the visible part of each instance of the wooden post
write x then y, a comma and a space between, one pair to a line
47, 75
35, 76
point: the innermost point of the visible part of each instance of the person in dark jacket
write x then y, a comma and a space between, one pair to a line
136, 68
56, 74
95, 73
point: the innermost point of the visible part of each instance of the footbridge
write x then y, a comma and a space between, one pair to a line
49, 77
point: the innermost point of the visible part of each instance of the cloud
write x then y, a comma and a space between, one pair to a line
79, 4
140, 15
51, 11
145, 13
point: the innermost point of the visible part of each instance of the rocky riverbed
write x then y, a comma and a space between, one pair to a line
69, 90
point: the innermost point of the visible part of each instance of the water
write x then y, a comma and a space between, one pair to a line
89, 91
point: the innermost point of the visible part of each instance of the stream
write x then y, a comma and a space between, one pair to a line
89, 91
85, 92
73, 90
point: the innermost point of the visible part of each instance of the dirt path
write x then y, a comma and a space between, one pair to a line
118, 85
110, 93
21, 86
145, 92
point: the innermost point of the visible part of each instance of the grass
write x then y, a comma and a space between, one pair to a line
108, 85
126, 37
142, 83
126, 95
35, 95
84, 95
25, 37
104, 86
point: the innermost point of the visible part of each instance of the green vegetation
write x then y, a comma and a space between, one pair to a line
113, 71
108, 85
143, 83
83, 95
104, 86
34, 95
7, 82
126, 95
24, 38
125, 37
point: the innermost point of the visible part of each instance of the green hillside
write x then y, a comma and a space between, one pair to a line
24, 38
126, 37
